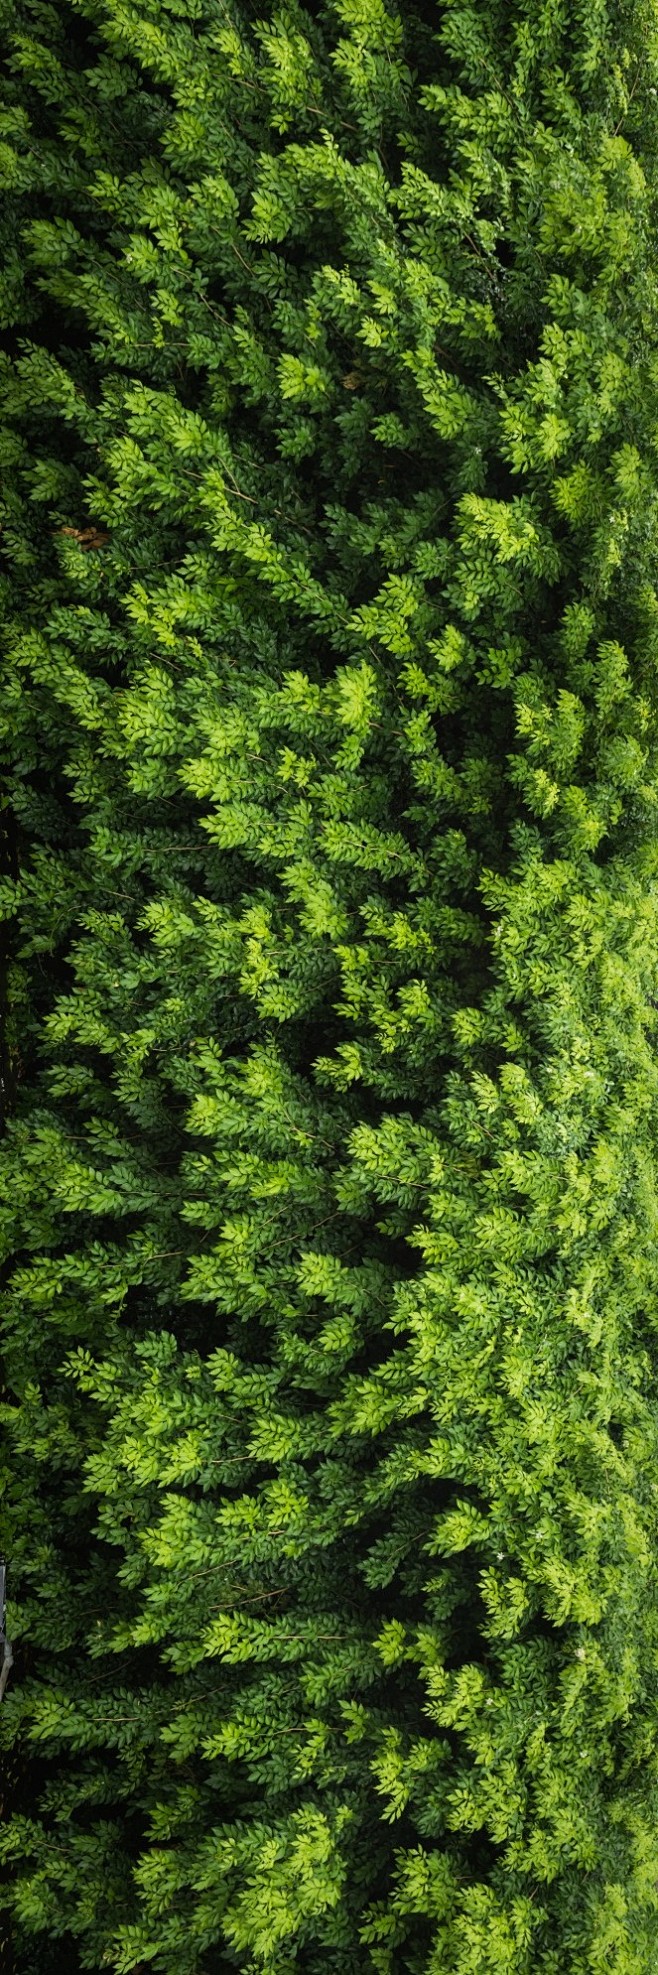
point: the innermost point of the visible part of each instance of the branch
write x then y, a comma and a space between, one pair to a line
7, 1663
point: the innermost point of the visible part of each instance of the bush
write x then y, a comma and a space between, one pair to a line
329, 1211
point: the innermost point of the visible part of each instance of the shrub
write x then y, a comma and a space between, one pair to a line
329, 1206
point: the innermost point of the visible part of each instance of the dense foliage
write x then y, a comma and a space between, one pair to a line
329, 1214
